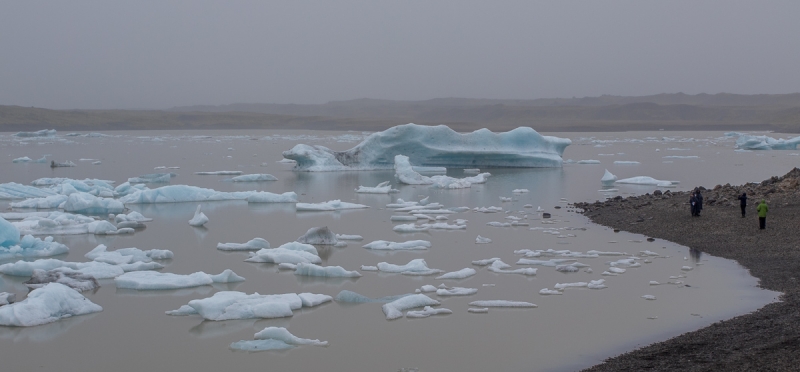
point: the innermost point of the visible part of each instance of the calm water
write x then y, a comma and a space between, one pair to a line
577, 329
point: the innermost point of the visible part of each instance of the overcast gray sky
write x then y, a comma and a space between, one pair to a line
159, 54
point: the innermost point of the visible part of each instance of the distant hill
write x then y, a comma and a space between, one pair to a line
779, 112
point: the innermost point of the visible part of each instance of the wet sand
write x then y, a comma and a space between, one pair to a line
768, 339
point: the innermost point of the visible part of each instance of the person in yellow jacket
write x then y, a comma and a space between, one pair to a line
762, 214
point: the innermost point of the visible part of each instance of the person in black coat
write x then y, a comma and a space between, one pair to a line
693, 204
699, 197
743, 202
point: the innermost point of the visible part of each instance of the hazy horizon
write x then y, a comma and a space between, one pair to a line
96, 55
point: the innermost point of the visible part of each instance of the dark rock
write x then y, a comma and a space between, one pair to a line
545, 215
657, 193
557, 207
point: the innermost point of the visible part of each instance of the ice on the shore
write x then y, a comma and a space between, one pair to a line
436, 146
219, 173
292, 252
333, 205
75, 280
608, 179
501, 303
353, 297
751, 142
152, 280
382, 188
252, 245
309, 269
48, 304
406, 174
456, 291
262, 177
185, 193
394, 309
274, 338
460, 274
414, 267
319, 235
482, 240
647, 181
153, 178
199, 218
393, 246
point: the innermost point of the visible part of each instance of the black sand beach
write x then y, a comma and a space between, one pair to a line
765, 340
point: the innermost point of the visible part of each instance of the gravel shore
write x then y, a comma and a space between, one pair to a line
765, 340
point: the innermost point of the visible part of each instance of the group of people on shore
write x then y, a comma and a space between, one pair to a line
696, 203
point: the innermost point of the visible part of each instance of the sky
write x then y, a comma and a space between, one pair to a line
159, 54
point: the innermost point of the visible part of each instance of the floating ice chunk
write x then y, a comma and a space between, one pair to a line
146, 280
590, 161
414, 267
333, 205
313, 299
567, 268
29, 246
427, 311
349, 237
519, 191
309, 269
77, 281
626, 162
131, 217
38, 133
478, 310
498, 224
274, 338
608, 179
369, 268
408, 228
648, 253
127, 255
547, 292
608, 273
460, 274
750, 142
649, 297
647, 181
472, 170
219, 173
229, 305
456, 291
86, 203
184, 193
601, 253
443, 226
66, 164
428, 288
352, 297
153, 178
199, 218
562, 286
7, 298
48, 304
382, 188
406, 174
686, 268
501, 303
482, 240
625, 262
391, 246
680, 157
653, 282
253, 244
318, 235
292, 252
254, 178
596, 284
549, 263
23, 159
439, 145
394, 309
616, 270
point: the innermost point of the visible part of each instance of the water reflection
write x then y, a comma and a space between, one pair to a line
696, 254
44, 332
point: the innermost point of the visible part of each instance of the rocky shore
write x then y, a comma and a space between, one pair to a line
765, 340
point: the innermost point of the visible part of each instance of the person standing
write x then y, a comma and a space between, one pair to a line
693, 204
762, 214
699, 197
743, 202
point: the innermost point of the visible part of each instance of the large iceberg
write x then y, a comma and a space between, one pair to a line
750, 142
48, 304
184, 193
436, 146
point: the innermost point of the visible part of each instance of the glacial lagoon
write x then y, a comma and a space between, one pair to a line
577, 328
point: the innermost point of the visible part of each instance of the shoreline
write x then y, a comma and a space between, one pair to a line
767, 339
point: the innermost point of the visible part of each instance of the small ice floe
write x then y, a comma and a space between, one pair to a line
456, 291
292, 252
500, 267
184, 193
590, 161
127, 255
653, 282
647, 181
649, 297
648, 253
570, 268
616, 270
549, 263
625, 262
12, 246
333, 205
309, 269
274, 338
259, 177
77, 281
414, 267
498, 224
428, 288
66, 164
604, 253
153, 280
23, 159
491, 209
409, 228
686, 268
165, 167
487, 261
219, 173
626, 162
478, 310
319, 235
608, 179
153, 178
528, 206
346, 296
482, 240
38, 133
349, 237
85, 203
229, 305
460, 274
406, 174
131, 217
252, 245
47, 304
549, 292
381, 188
444, 226
199, 218
501, 303
427, 311
472, 170
505, 199
369, 268
410, 245
394, 309
519, 191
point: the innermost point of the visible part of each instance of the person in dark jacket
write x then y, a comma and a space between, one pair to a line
693, 204
699, 202
743, 202
762, 214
